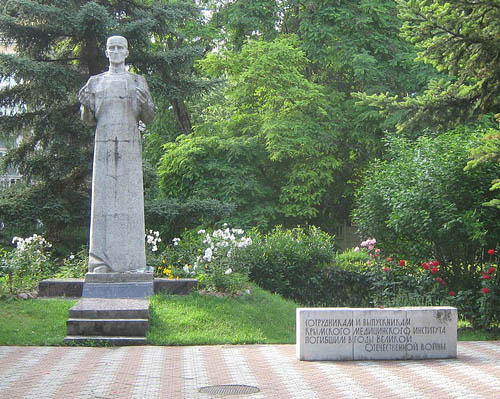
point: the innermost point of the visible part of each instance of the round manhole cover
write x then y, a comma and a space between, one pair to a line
229, 390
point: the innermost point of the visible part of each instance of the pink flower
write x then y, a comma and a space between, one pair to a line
452, 293
491, 252
371, 247
389, 259
438, 279
485, 290
492, 270
386, 269
402, 263
425, 266
434, 270
486, 276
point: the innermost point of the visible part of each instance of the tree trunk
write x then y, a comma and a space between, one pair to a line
182, 115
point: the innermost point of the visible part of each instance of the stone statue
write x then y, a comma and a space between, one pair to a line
115, 101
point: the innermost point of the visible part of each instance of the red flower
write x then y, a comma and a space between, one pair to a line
485, 290
389, 259
425, 265
402, 263
438, 279
491, 252
486, 276
492, 270
434, 263
434, 270
386, 269
452, 293
443, 283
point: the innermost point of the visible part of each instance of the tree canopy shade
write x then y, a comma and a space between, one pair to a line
460, 39
58, 45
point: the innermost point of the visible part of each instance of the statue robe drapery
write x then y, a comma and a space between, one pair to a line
117, 210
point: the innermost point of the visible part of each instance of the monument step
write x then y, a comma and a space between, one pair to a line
106, 308
101, 340
107, 327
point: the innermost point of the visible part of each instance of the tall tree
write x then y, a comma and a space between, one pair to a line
58, 45
460, 39
310, 112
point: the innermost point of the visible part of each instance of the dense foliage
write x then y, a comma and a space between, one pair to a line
422, 203
58, 45
283, 139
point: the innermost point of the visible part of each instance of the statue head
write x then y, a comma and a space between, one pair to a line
116, 50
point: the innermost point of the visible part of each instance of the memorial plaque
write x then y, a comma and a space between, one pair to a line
376, 334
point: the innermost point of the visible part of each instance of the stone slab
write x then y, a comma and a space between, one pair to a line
127, 277
105, 308
107, 327
118, 290
74, 287
376, 334
175, 287
61, 287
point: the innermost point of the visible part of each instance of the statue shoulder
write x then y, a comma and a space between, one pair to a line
94, 80
138, 79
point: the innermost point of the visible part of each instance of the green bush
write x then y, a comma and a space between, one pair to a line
75, 265
26, 265
290, 262
206, 256
172, 217
421, 203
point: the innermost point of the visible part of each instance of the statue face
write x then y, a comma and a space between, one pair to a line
116, 51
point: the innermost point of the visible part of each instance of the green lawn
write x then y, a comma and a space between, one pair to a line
194, 319
198, 320
33, 321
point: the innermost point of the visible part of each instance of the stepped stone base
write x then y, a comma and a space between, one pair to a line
101, 308
116, 321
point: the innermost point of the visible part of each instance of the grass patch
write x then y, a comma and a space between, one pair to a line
197, 319
258, 318
467, 333
34, 321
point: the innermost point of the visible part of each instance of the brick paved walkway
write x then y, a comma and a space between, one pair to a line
179, 372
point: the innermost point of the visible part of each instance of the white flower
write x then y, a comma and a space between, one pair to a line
356, 249
186, 269
154, 249
228, 271
176, 241
201, 231
208, 254
71, 257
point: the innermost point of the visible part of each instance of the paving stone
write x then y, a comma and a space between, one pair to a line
180, 372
